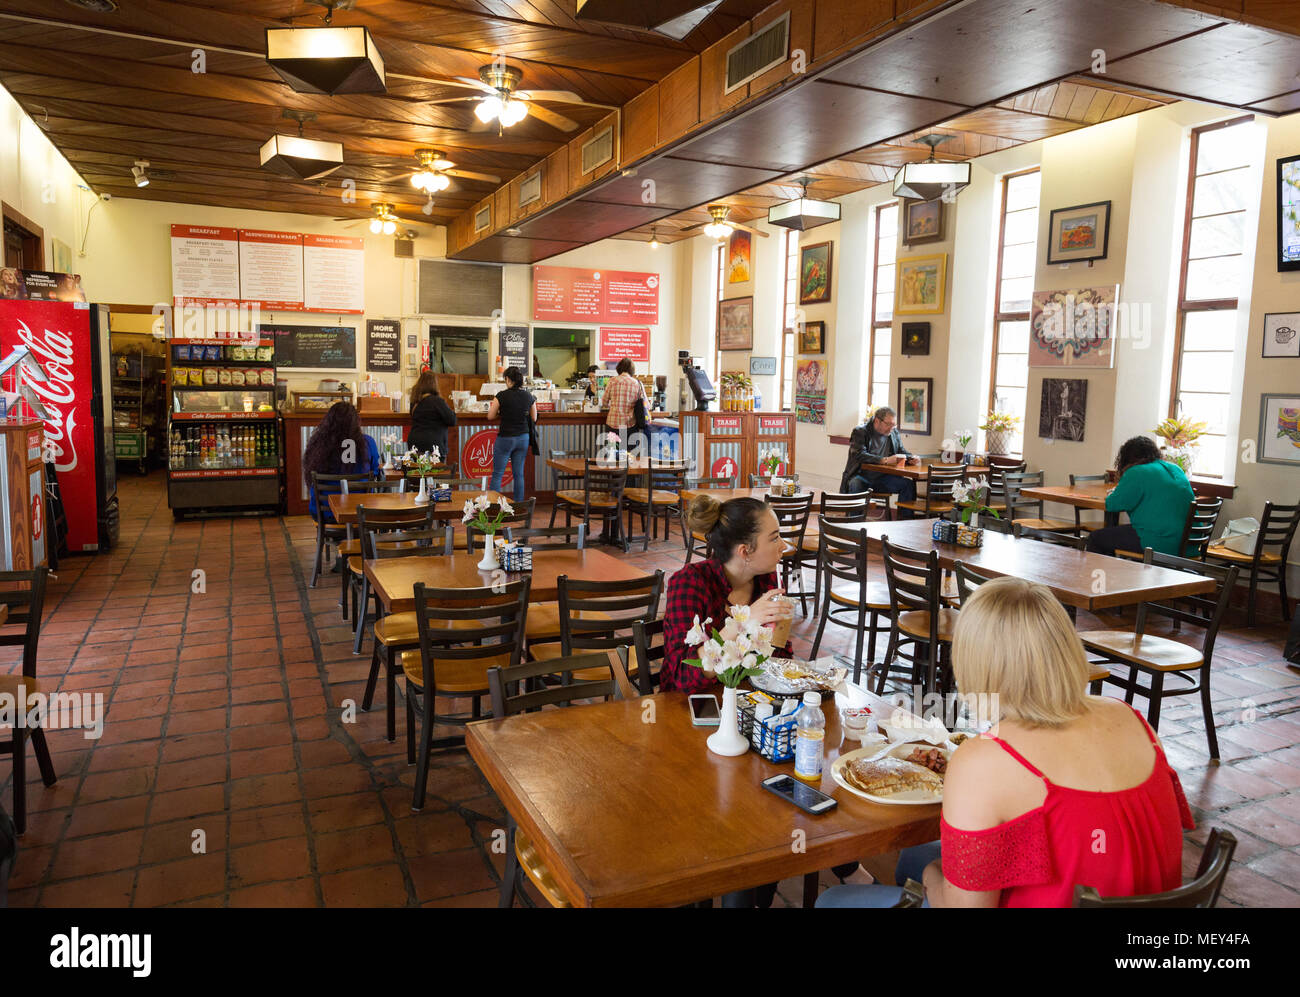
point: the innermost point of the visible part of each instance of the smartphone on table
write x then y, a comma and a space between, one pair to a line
802, 795
705, 711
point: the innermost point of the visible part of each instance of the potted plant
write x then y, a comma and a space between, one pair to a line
476, 514
1181, 438
969, 498
422, 464
998, 427
733, 654
769, 461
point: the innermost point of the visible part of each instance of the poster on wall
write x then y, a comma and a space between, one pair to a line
334, 274
740, 266
513, 347
1073, 328
570, 294
270, 269
1279, 429
205, 266
383, 345
810, 392
40, 285
615, 344
1063, 409
1288, 213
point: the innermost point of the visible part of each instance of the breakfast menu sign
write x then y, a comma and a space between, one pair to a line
571, 294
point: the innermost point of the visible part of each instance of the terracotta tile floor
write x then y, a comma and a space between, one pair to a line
227, 776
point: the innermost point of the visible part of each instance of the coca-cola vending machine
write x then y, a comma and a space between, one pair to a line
69, 341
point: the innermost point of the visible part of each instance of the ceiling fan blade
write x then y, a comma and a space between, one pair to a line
467, 82
560, 96
446, 100
552, 118
471, 175
747, 228
692, 228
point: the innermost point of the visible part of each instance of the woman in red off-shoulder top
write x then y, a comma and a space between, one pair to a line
1066, 790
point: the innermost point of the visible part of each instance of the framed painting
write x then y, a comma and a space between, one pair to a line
1288, 213
815, 273
740, 257
810, 392
1079, 234
812, 337
914, 404
1279, 429
921, 281
916, 339
1073, 328
1063, 409
923, 222
1282, 334
736, 323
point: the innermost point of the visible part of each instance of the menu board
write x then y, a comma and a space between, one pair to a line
383, 345
313, 346
205, 266
514, 347
334, 274
570, 294
270, 269
615, 344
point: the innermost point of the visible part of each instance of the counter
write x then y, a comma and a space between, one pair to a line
471, 441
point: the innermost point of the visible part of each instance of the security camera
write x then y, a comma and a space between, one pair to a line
106, 197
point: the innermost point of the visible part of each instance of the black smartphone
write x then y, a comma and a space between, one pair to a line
802, 795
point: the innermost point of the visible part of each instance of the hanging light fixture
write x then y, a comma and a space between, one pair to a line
718, 227
654, 237
429, 177
501, 106
803, 212
930, 179
298, 157
326, 60
384, 221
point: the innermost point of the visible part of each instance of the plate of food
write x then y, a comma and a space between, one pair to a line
908, 773
787, 676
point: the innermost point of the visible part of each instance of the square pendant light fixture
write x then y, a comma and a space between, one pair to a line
298, 157
326, 60
931, 179
803, 212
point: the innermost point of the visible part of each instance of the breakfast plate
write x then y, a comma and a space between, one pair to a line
897, 763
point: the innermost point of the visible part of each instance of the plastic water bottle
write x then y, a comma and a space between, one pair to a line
810, 732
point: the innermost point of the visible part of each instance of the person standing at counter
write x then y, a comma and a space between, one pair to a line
431, 417
590, 396
515, 407
620, 398
338, 446
1156, 495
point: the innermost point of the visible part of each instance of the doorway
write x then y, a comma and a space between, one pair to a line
24, 241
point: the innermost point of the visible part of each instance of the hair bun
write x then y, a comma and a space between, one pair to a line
703, 513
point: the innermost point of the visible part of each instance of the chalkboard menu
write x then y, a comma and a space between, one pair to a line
328, 347
383, 345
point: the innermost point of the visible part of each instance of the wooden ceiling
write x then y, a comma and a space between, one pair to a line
1036, 114
110, 89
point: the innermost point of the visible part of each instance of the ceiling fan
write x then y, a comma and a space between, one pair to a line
718, 227
384, 222
500, 100
434, 171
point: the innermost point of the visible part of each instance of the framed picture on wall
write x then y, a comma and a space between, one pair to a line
1063, 409
736, 324
739, 257
916, 339
815, 273
812, 337
1282, 334
1279, 429
923, 221
914, 398
1288, 213
1079, 234
921, 282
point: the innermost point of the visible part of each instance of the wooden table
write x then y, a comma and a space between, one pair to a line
344, 507
1089, 495
1072, 575
393, 579
637, 467
726, 494
629, 813
919, 472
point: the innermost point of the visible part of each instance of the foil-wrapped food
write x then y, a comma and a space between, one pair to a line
789, 675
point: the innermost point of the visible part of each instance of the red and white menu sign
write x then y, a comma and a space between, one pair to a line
270, 269
205, 266
335, 274
615, 344
571, 294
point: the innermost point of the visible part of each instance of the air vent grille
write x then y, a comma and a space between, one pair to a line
599, 151
758, 53
530, 190
483, 219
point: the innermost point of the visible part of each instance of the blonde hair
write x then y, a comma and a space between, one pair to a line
1014, 640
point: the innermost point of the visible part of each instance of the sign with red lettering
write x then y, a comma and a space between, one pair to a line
570, 294
615, 344
205, 266
476, 456
726, 422
773, 422
724, 467
270, 269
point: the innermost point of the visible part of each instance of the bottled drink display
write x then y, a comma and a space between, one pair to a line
223, 446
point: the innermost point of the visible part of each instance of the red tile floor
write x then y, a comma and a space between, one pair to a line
227, 776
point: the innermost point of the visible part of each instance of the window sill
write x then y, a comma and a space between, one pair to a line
1213, 487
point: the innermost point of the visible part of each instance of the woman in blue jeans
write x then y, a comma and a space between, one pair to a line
515, 407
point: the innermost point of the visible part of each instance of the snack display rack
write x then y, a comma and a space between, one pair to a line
224, 434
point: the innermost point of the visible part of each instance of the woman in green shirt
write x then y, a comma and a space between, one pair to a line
1156, 495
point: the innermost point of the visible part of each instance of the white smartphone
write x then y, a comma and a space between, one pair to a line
705, 711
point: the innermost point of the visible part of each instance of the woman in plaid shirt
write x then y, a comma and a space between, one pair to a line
745, 547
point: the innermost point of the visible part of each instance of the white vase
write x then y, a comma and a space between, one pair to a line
422, 498
489, 553
975, 520
388, 460
726, 740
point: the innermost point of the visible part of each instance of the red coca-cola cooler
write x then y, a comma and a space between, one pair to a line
69, 343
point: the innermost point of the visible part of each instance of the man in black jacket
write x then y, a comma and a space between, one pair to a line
877, 442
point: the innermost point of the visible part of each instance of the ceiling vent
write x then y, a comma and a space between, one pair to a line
403, 248
483, 219
764, 50
599, 151
530, 190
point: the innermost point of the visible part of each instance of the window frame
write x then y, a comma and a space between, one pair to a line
999, 316
874, 325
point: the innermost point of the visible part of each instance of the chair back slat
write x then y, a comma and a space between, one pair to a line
572, 537
1277, 529
913, 578
1080, 479
372, 486
1022, 531
1211, 606
844, 507
624, 602
723, 482
504, 683
998, 479
1198, 531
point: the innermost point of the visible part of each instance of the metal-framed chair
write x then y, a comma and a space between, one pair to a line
660, 497
834, 507
328, 532
384, 522
937, 500
918, 619
1079, 479
1030, 511
1202, 891
848, 597
602, 491
1277, 528
792, 518
564, 481
23, 592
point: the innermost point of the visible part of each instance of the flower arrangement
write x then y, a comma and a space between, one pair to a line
1181, 437
735, 653
970, 496
1000, 422
610, 446
389, 440
422, 463
964, 438
769, 460
476, 513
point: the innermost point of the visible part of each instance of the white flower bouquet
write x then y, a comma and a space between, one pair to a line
476, 513
734, 653
970, 496
769, 460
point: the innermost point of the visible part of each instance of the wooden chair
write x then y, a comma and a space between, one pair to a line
327, 531
8, 849
1268, 564
1079, 479
602, 491
519, 689
765, 480
385, 521
848, 597
1198, 531
937, 500
648, 647
521, 517
544, 617
23, 592
491, 623
792, 519
396, 632
835, 507
1158, 657
998, 470
918, 619
660, 497
690, 537
1202, 891
1030, 511
564, 481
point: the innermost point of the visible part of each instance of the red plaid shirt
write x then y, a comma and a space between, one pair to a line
699, 589
620, 397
